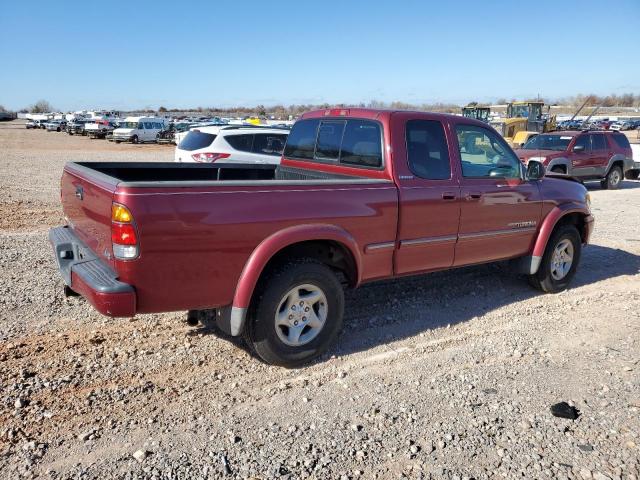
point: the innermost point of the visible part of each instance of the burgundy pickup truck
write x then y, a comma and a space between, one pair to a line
360, 195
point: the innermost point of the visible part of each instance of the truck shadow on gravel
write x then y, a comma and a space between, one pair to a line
389, 311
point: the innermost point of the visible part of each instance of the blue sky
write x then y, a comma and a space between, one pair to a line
178, 54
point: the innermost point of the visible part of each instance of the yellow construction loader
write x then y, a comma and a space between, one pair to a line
479, 112
524, 120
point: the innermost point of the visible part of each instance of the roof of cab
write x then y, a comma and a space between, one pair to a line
376, 113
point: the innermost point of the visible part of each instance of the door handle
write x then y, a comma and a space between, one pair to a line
473, 195
448, 196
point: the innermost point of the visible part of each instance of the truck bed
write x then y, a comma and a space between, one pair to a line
155, 174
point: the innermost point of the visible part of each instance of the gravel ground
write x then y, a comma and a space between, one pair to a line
449, 375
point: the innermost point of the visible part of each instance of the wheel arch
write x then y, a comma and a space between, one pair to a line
331, 244
571, 214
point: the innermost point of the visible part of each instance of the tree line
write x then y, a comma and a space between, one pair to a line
285, 111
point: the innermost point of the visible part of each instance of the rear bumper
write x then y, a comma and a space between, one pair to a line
87, 275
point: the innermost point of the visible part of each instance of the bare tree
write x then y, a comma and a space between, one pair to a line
41, 106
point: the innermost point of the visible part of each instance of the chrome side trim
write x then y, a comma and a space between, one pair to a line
428, 240
512, 231
379, 246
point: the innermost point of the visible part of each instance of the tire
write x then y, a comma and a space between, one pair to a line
632, 174
134, 139
297, 287
117, 141
613, 180
557, 170
552, 276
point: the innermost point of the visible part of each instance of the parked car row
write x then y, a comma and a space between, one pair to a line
604, 124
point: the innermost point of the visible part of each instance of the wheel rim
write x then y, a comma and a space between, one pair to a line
562, 259
301, 315
615, 177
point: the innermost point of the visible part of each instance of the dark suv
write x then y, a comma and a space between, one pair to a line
586, 155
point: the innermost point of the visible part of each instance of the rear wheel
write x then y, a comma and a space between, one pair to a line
557, 169
632, 174
559, 262
297, 315
613, 179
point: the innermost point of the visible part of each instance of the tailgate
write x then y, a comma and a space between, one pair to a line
86, 198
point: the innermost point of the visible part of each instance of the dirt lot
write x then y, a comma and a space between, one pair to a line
443, 376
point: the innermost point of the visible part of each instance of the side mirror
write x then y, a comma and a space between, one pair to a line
578, 149
535, 170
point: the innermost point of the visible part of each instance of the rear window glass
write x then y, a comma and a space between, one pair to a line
329, 139
302, 139
427, 150
240, 142
362, 144
268, 144
621, 140
195, 140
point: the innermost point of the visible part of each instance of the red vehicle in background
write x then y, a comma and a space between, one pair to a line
586, 155
360, 195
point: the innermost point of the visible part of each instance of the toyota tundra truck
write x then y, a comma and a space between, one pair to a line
360, 195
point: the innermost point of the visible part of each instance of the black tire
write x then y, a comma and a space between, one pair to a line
543, 279
632, 174
613, 180
134, 139
260, 332
557, 169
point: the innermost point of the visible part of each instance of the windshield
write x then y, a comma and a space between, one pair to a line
129, 125
548, 142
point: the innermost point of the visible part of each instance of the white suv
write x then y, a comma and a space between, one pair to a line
232, 144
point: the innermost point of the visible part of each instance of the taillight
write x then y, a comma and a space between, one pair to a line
209, 157
124, 237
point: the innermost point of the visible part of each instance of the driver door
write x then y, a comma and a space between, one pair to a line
499, 210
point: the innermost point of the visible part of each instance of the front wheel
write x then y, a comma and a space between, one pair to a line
613, 179
297, 314
134, 139
559, 262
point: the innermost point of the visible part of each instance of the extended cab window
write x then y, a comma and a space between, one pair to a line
427, 150
240, 142
484, 155
302, 139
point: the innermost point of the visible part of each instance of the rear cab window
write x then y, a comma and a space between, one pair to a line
195, 140
351, 142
